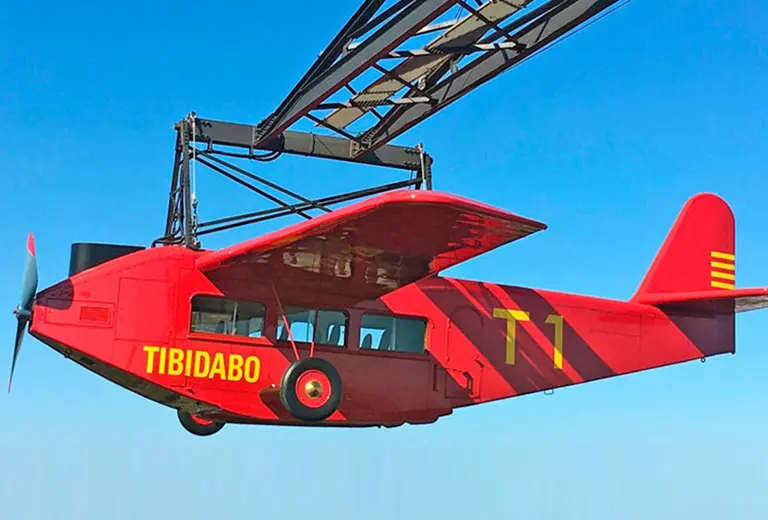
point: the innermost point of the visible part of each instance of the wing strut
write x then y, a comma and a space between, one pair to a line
287, 325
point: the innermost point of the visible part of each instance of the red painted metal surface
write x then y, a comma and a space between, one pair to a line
325, 388
130, 319
201, 421
367, 249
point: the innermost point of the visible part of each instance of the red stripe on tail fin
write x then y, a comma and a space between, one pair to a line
698, 254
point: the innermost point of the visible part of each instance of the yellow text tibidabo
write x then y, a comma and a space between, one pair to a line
201, 364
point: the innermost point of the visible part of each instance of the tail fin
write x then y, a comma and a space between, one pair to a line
697, 261
698, 253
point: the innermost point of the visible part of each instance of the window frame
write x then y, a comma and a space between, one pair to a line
224, 337
330, 347
425, 352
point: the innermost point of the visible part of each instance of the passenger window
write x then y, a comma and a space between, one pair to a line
222, 316
326, 326
380, 332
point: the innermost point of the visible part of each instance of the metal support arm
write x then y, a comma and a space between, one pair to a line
210, 132
202, 140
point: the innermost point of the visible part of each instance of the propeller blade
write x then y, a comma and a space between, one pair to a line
24, 309
29, 282
19, 338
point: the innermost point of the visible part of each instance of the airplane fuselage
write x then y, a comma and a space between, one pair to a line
153, 323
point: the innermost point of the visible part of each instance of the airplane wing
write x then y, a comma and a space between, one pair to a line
364, 250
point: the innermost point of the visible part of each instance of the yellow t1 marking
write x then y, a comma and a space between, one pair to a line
557, 321
512, 316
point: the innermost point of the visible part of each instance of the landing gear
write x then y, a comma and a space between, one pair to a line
197, 425
310, 389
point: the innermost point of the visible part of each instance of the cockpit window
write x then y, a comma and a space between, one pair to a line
230, 317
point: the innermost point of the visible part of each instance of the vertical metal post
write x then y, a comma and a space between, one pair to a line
173, 194
426, 167
420, 169
186, 193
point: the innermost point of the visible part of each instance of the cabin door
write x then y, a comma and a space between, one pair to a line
463, 366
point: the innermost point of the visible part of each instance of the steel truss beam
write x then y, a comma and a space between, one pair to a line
532, 38
467, 51
206, 141
405, 19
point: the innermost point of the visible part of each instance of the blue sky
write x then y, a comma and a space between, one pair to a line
603, 137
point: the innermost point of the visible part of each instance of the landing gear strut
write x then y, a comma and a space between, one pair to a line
310, 388
197, 425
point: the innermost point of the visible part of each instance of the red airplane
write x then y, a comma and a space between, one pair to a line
342, 320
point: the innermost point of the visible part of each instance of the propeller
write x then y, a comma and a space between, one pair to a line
23, 310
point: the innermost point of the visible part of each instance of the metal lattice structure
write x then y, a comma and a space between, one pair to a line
412, 58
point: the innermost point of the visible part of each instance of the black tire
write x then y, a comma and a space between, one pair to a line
196, 428
293, 402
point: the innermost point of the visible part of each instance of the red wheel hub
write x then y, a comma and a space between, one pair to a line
199, 420
313, 388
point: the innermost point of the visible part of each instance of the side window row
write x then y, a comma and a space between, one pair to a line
223, 316
326, 327
217, 315
381, 332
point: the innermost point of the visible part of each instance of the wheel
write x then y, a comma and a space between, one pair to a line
310, 389
197, 425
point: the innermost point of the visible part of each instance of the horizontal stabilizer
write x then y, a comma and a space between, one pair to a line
749, 299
